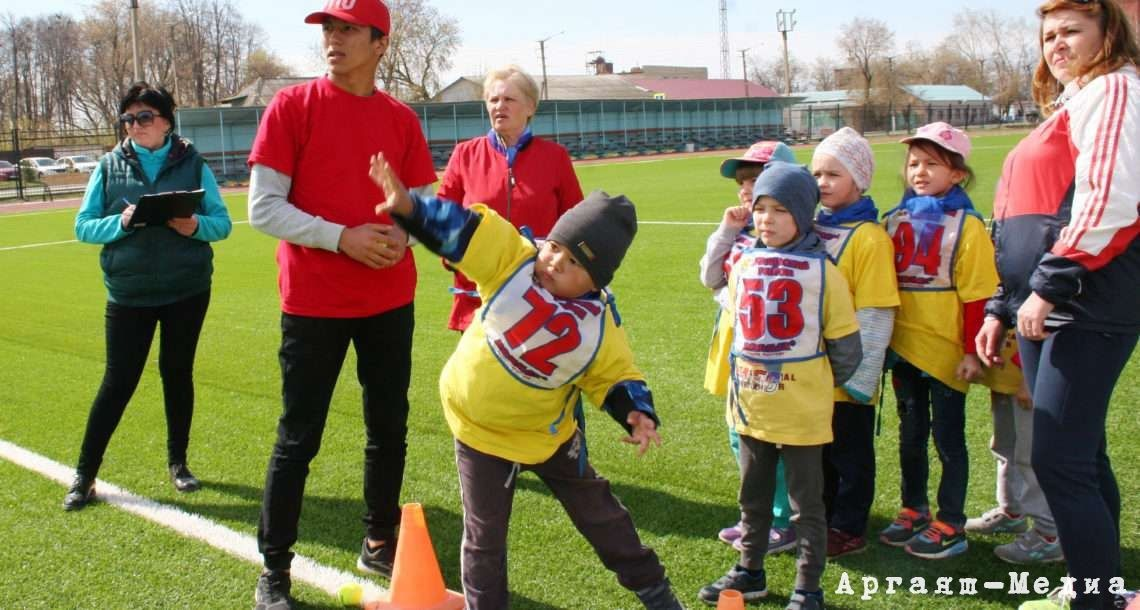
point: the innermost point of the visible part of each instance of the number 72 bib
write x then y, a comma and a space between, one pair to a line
779, 306
542, 340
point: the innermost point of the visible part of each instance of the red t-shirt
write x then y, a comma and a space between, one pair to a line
322, 137
545, 187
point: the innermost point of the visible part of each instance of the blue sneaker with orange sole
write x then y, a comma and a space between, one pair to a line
939, 541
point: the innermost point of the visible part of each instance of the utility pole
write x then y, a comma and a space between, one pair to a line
725, 73
542, 54
744, 67
16, 111
891, 90
135, 39
786, 22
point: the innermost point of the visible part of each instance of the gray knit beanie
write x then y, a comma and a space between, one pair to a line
794, 187
598, 232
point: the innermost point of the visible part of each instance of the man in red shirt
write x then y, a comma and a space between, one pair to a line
345, 277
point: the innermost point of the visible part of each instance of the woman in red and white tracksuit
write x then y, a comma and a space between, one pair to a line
1065, 227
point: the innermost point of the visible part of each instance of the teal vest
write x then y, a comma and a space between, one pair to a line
153, 266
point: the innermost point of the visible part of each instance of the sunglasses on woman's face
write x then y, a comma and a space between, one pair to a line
144, 118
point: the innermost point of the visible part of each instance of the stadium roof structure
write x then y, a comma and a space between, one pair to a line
618, 87
260, 91
701, 88
842, 97
945, 93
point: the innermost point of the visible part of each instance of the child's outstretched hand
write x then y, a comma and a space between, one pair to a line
398, 201
737, 216
644, 432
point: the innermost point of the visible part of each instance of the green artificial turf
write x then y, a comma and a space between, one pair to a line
680, 495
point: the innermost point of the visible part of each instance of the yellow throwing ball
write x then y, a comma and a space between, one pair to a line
350, 594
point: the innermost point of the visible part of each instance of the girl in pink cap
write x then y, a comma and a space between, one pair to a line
944, 263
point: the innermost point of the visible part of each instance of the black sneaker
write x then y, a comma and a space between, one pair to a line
751, 587
272, 591
183, 479
377, 561
805, 600
80, 494
659, 597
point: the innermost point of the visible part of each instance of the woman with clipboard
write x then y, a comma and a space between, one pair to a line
157, 275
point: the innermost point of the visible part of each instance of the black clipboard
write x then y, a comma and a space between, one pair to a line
154, 210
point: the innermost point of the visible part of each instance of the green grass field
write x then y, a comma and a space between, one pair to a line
51, 361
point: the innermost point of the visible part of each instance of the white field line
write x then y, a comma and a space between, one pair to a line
73, 241
242, 222
242, 546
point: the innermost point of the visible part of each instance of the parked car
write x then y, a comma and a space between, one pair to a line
7, 171
83, 164
39, 167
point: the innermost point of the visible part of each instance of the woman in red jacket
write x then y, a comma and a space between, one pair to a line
1065, 227
527, 180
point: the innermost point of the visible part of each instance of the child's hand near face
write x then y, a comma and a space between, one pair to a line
644, 432
736, 217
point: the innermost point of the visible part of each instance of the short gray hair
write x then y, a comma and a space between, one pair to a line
518, 76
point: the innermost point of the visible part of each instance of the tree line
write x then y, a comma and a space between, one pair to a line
985, 50
69, 72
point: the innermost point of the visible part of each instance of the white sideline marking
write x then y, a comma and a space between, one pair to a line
242, 222
242, 546
75, 241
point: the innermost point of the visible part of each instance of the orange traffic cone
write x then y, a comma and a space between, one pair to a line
417, 583
730, 599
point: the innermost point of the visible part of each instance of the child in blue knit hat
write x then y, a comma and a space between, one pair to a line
794, 339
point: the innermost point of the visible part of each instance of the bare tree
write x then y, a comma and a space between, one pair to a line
866, 43
770, 72
822, 74
420, 49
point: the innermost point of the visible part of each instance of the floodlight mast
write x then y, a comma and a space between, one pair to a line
135, 39
542, 54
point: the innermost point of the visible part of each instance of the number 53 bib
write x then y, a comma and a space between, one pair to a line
779, 306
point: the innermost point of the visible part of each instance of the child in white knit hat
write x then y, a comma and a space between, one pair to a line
847, 223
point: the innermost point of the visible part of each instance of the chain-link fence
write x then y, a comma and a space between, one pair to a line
49, 163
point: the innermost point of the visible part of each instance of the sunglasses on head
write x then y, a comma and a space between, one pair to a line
144, 118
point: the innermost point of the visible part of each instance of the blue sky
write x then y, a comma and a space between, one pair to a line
629, 32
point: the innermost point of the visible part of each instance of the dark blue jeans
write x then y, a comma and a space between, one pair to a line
918, 396
849, 468
1072, 374
130, 332
311, 355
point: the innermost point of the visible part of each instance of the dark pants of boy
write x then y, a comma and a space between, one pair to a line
311, 355
1072, 374
130, 332
849, 468
487, 485
803, 468
918, 395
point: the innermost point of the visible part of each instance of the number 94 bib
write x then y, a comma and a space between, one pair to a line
542, 340
779, 306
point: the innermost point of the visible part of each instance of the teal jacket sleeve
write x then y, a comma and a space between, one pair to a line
214, 224
91, 226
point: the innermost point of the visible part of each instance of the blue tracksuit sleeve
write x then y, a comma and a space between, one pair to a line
214, 222
627, 396
91, 226
443, 226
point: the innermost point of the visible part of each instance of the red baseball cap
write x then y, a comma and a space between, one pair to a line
371, 13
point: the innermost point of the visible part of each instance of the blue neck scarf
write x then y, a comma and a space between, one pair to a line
931, 208
864, 209
809, 243
510, 151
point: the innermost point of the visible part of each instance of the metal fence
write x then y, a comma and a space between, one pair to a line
587, 128
816, 121
19, 144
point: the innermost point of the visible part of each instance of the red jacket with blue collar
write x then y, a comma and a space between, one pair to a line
1067, 211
